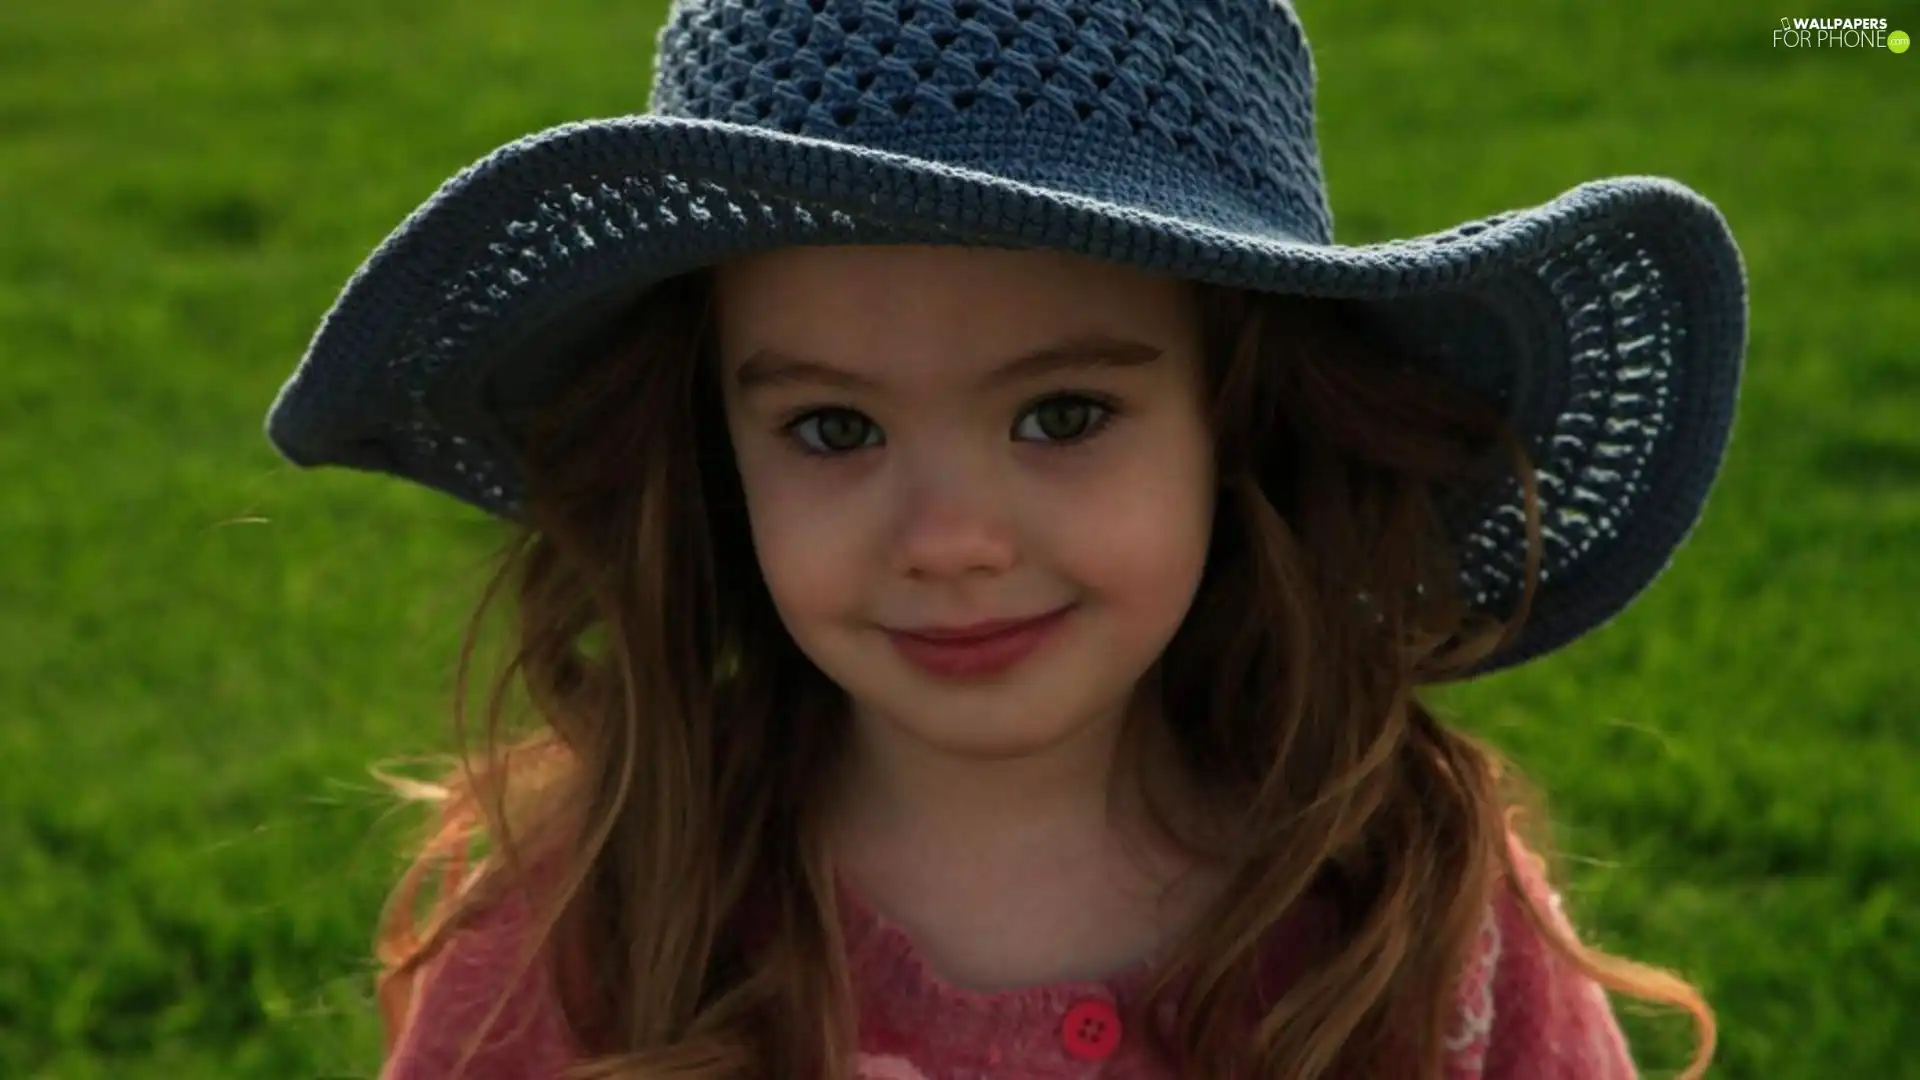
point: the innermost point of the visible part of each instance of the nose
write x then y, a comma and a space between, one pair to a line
953, 521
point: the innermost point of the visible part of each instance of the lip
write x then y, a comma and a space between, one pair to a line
978, 649
973, 631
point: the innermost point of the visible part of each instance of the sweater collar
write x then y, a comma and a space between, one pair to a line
909, 1010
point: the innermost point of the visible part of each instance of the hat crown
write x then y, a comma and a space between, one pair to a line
1198, 109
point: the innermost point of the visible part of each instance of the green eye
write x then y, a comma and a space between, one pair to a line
835, 431
1063, 419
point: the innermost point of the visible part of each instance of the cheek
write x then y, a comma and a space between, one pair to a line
807, 554
1138, 537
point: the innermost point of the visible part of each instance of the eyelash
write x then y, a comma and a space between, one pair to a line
1106, 411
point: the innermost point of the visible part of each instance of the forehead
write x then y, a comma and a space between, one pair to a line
882, 307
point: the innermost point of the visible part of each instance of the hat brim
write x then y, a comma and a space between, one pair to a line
1609, 321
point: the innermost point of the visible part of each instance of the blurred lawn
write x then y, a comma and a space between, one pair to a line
200, 650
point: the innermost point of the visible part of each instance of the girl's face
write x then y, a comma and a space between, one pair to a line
934, 441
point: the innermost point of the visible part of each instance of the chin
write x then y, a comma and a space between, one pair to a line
997, 720
991, 743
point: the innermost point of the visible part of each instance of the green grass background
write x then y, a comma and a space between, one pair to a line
201, 650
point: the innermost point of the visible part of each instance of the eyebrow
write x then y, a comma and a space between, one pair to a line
771, 366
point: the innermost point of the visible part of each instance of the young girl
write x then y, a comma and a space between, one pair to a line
978, 550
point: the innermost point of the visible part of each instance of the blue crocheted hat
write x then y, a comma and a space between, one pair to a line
1176, 136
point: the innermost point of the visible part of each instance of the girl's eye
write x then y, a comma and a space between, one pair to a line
1066, 418
835, 431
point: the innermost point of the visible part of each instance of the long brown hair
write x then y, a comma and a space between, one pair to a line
679, 736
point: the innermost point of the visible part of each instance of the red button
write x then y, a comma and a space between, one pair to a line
1091, 1030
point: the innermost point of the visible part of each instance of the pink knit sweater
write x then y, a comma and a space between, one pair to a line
1522, 1014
